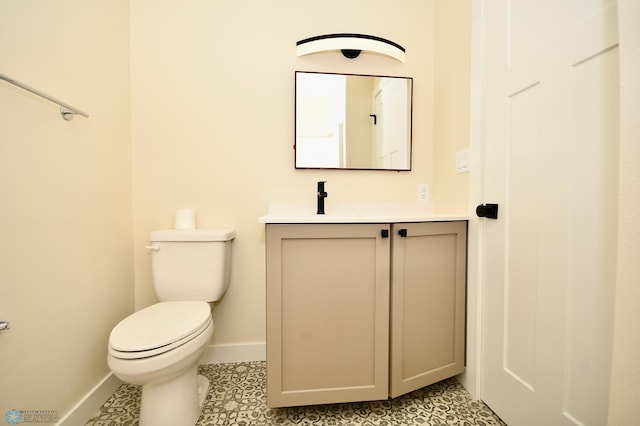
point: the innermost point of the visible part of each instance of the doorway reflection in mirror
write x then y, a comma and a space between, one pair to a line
346, 121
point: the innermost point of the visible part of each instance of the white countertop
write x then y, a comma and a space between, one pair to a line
283, 212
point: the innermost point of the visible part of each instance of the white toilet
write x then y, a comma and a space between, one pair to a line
158, 347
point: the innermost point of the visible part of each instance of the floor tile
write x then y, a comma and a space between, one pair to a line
237, 397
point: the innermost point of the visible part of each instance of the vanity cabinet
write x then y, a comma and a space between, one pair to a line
362, 311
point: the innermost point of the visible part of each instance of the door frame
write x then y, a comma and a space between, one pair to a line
471, 378
625, 372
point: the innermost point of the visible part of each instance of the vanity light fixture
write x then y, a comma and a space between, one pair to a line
350, 45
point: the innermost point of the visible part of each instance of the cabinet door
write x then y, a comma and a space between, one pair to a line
427, 303
327, 313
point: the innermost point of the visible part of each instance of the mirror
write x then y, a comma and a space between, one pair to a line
346, 121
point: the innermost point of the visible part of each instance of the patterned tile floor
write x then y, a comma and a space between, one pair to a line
237, 397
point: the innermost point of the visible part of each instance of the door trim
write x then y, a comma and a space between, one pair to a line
471, 379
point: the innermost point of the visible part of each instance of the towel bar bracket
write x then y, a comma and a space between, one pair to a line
66, 114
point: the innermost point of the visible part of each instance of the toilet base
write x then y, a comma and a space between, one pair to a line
175, 402
203, 389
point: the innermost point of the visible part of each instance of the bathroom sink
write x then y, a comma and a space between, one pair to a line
288, 212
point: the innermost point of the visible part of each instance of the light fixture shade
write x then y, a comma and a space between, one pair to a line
351, 45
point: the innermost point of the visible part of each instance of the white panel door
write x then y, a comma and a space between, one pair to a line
394, 104
550, 162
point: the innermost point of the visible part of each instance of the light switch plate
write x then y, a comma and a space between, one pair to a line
462, 161
423, 192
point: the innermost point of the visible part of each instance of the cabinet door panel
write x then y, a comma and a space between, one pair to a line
427, 304
327, 313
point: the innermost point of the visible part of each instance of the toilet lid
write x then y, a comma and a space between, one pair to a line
159, 325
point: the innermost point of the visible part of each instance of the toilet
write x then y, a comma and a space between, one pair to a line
158, 347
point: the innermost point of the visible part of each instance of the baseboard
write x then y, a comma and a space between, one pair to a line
221, 354
91, 402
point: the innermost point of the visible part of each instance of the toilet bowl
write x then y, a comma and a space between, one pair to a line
158, 347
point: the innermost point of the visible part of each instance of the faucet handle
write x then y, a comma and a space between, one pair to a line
321, 196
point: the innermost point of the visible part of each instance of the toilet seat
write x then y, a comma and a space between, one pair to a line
158, 329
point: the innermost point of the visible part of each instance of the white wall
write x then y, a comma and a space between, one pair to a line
213, 123
66, 265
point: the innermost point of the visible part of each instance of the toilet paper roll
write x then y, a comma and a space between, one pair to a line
185, 219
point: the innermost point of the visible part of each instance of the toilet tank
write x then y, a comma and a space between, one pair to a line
191, 264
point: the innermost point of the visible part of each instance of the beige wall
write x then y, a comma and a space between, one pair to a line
625, 374
66, 270
452, 75
212, 108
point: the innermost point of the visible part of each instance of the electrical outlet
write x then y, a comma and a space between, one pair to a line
423, 192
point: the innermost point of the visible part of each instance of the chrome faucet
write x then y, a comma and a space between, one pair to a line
4, 325
321, 196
